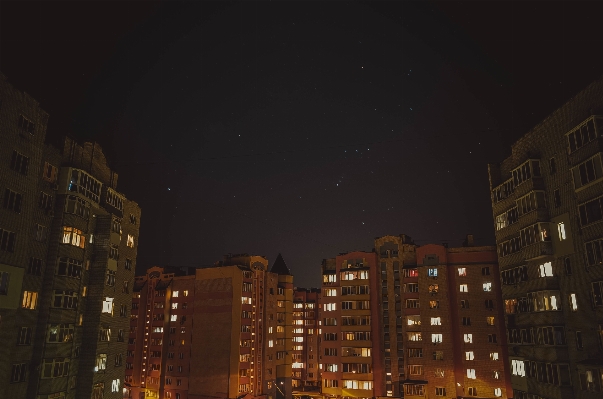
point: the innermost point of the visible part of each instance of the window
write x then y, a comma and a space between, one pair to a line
414, 390
110, 278
24, 337
517, 368
412, 303
65, 299
546, 270
415, 369
590, 212
436, 338
85, 184
12, 200
471, 374
330, 306
70, 268
468, 338
515, 275
487, 287
26, 124
462, 271
541, 301
432, 304
53, 368
414, 336
60, 333
104, 334
552, 166
587, 172
130, 242
525, 172
463, 288
492, 338
507, 218
18, 372
108, 305
498, 392
573, 302
439, 391
493, 355
411, 273
19, 163
330, 292
433, 288
432, 272
485, 271
557, 198
128, 264
489, 303
7, 240
45, 201
34, 268
472, 391
415, 352
77, 206
73, 236
490, 320
466, 321
101, 362
30, 300
469, 355
579, 343
464, 304
567, 264
561, 231
411, 287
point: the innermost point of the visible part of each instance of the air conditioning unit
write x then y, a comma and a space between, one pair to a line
54, 186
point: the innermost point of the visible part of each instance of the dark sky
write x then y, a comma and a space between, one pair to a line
302, 128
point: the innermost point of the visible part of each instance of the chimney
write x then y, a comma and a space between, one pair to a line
469, 241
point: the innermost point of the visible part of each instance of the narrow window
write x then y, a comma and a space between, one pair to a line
552, 166
557, 198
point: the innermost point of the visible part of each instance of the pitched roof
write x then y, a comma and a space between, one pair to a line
279, 266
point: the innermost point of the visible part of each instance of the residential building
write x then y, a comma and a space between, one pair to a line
397, 322
68, 242
158, 360
547, 208
305, 371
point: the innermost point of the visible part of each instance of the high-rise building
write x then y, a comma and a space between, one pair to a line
306, 374
547, 207
158, 360
68, 242
397, 322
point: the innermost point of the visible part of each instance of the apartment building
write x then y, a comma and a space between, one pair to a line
305, 367
68, 242
453, 322
160, 336
547, 208
351, 346
242, 341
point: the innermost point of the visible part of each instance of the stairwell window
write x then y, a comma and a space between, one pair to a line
130, 241
561, 231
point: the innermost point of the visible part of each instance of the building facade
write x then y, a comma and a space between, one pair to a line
306, 375
68, 242
547, 208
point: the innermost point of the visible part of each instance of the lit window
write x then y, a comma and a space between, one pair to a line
517, 368
174, 305
270, 343
414, 336
462, 271
468, 338
463, 288
436, 321
432, 272
175, 294
469, 355
185, 292
73, 237
490, 320
497, 392
130, 242
413, 320
330, 292
108, 305
101, 362
493, 355
546, 270
573, 302
329, 278
436, 338
174, 317
487, 287
561, 230
269, 330
471, 374
330, 307
115, 386
30, 299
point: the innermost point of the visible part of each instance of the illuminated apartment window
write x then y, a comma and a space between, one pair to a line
175, 305
108, 305
246, 300
414, 336
463, 288
462, 271
468, 338
101, 362
469, 355
270, 343
269, 330
413, 320
280, 329
30, 298
330, 307
433, 288
493, 355
472, 391
331, 367
471, 374
573, 302
130, 242
541, 301
436, 321
73, 236
517, 368
561, 231
498, 392
415, 369
490, 320
330, 292
545, 270
440, 391
487, 287
434, 304
175, 294
174, 317
185, 292
436, 338
432, 272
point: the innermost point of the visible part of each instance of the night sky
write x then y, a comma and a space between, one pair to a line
301, 128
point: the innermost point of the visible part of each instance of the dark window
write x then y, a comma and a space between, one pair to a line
590, 212
19, 162
552, 166
557, 198
7, 240
26, 124
34, 267
12, 200
45, 201
485, 271
18, 372
568, 266
579, 344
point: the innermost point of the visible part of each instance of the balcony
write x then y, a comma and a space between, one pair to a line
539, 250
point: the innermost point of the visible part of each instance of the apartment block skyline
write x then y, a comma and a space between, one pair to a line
68, 246
547, 209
